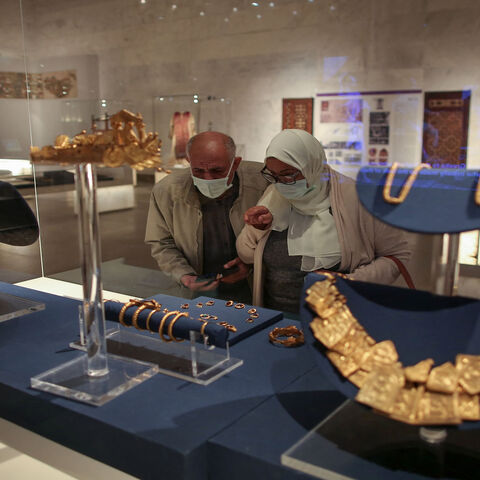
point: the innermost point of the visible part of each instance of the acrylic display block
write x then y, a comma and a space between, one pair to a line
72, 381
12, 306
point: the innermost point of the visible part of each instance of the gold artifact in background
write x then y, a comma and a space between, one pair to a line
120, 145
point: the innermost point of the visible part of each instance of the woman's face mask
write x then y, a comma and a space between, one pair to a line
213, 188
293, 192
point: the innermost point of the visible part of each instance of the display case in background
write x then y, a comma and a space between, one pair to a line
179, 117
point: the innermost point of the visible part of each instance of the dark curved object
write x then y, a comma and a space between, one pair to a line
18, 225
440, 201
420, 324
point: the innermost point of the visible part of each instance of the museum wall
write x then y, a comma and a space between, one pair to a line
258, 55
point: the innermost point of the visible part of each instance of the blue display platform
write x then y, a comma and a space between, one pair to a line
440, 201
158, 429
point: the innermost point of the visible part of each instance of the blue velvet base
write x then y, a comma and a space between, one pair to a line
420, 324
440, 201
158, 429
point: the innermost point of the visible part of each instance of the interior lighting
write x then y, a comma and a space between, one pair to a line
143, 2
235, 9
332, 7
255, 4
259, 16
174, 7
162, 99
226, 19
195, 100
271, 4
294, 12
202, 13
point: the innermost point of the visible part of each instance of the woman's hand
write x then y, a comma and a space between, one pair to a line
258, 217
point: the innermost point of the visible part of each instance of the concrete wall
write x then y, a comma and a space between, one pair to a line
147, 48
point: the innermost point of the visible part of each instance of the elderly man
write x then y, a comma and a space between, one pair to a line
196, 214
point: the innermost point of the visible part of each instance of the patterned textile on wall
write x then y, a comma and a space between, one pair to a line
62, 84
181, 133
298, 113
445, 128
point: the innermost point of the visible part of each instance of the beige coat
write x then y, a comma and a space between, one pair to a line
364, 240
174, 224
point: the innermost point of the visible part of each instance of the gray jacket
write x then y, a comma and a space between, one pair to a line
174, 224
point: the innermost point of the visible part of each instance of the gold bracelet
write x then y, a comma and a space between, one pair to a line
136, 314
405, 188
294, 336
129, 304
477, 192
150, 315
170, 327
162, 323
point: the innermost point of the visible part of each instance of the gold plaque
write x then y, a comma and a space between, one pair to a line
438, 409
443, 379
469, 367
381, 388
383, 353
468, 407
419, 372
345, 365
406, 404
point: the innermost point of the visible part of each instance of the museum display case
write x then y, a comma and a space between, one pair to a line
376, 83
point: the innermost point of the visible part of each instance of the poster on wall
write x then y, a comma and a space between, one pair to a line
369, 128
445, 128
298, 113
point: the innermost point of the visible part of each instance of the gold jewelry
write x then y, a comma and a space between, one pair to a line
240, 305
129, 304
199, 304
294, 336
252, 310
204, 315
229, 303
250, 320
229, 327
209, 303
185, 306
202, 330
162, 323
170, 327
136, 314
213, 317
254, 315
406, 187
147, 321
165, 310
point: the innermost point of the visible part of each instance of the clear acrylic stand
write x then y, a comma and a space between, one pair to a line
95, 377
12, 306
192, 360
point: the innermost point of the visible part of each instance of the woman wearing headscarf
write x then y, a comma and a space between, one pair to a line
310, 219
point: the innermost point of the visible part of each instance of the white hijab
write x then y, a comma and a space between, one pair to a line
311, 227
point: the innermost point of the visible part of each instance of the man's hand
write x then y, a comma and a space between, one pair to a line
190, 282
240, 274
258, 217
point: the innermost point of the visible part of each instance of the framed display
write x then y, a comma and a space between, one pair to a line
298, 113
445, 128
369, 128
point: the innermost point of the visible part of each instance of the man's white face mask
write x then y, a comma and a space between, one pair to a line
213, 188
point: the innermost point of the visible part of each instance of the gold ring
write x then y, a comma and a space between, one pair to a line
229, 327
136, 314
170, 327
210, 303
165, 310
129, 304
213, 317
199, 304
240, 305
202, 330
185, 306
294, 336
147, 322
229, 303
204, 315
162, 323
250, 320
254, 315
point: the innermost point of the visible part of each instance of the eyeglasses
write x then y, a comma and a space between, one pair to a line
285, 179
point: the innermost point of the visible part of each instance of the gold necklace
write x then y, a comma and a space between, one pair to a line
387, 196
419, 394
